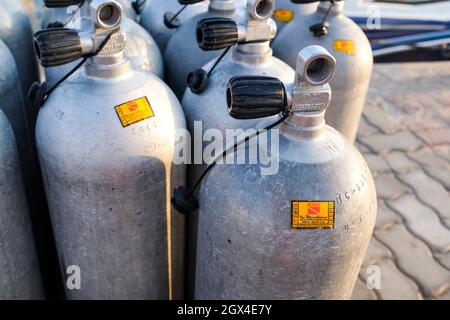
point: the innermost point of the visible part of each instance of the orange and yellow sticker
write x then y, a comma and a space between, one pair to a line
313, 214
134, 111
283, 15
345, 46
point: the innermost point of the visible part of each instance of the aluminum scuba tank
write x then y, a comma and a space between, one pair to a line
353, 53
302, 232
105, 139
142, 50
160, 18
20, 277
204, 102
57, 12
287, 10
251, 56
17, 34
182, 53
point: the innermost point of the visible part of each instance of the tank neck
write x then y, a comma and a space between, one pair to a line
108, 66
307, 8
112, 60
338, 8
253, 53
217, 6
304, 125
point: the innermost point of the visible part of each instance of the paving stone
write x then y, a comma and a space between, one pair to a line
362, 292
376, 251
366, 129
423, 222
399, 162
440, 174
444, 259
429, 191
377, 163
435, 136
400, 141
362, 148
376, 116
415, 259
394, 285
427, 157
425, 123
385, 216
389, 187
443, 151
444, 296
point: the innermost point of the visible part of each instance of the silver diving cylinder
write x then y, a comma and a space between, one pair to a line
204, 102
141, 50
106, 140
57, 12
17, 34
183, 55
330, 28
299, 231
162, 18
20, 277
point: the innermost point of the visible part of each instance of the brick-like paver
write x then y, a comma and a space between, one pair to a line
401, 141
433, 278
423, 221
386, 217
430, 192
389, 187
399, 162
362, 292
405, 138
394, 284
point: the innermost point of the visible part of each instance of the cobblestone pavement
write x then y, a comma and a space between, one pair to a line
405, 137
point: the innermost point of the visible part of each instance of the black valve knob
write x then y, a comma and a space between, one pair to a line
62, 3
253, 97
216, 33
55, 47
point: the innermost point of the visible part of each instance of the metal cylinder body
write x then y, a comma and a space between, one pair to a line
286, 11
210, 106
109, 182
141, 49
50, 15
20, 276
17, 34
209, 109
152, 18
348, 43
247, 248
182, 53
12, 105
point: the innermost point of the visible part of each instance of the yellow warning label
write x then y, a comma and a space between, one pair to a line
313, 214
134, 111
345, 46
283, 15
